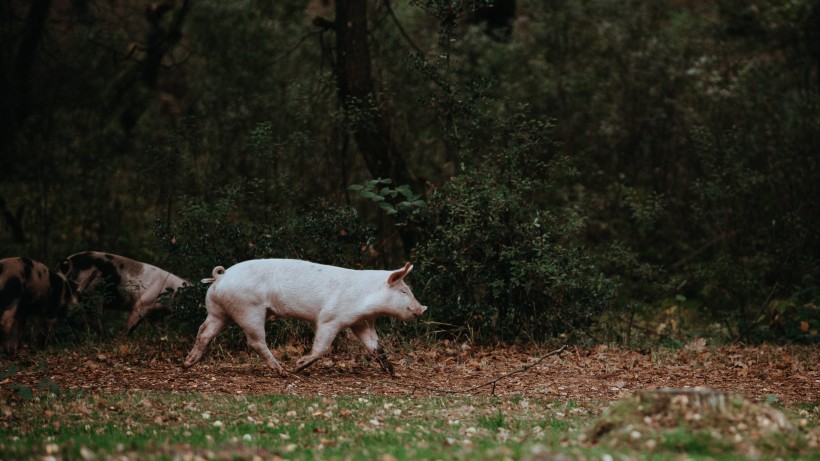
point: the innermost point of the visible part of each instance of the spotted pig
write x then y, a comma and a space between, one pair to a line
27, 288
127, 284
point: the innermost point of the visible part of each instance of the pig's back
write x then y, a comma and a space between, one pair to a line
291, 287
292, 272
157, 280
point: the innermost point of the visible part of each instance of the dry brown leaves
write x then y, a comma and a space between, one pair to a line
602, 373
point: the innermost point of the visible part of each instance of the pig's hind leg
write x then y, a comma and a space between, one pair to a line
211, 327
254, 328
366, 332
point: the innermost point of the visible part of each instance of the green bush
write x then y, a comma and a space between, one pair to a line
501, 257
692, 128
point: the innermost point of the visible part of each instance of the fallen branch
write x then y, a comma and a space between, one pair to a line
493, 382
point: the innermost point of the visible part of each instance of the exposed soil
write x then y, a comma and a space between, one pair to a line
791, 373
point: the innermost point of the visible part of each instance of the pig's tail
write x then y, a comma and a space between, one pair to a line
218, 271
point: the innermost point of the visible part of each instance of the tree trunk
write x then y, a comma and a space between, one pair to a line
131, 92
15, 81
357, 94
24, 60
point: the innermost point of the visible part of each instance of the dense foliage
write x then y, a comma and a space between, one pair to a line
599, 165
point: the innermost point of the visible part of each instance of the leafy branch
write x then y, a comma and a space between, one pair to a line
391, 200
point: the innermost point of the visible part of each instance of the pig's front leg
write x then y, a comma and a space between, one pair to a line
134, 319
366, 332
49, 324
11, 326
325, 334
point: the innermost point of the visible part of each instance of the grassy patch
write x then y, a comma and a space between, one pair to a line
164, 425
39, 420
701, 422
144, 425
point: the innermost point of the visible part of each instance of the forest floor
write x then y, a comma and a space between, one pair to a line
789, 374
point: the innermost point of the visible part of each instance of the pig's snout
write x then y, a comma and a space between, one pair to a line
417, 310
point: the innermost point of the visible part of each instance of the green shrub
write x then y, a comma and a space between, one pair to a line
501, 256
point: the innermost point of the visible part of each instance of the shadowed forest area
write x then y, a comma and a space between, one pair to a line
594, 170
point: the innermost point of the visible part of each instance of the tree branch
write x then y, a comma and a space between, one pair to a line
399, 26
493, 382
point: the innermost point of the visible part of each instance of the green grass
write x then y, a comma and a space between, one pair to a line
45, 421
164, 426
693, 443
144, 425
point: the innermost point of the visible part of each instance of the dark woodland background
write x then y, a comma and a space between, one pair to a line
597, 170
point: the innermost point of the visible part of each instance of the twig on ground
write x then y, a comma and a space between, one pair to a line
492, 382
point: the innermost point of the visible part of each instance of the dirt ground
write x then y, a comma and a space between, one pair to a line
790, 373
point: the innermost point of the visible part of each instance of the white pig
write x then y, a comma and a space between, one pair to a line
333, 298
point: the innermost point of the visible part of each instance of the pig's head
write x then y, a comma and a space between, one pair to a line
85, 270
402, 302
62, 298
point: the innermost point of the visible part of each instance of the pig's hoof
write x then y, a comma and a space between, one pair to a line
281, 372
304, 362
388, 368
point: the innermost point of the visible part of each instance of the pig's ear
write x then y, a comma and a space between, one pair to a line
64, 267
396, 277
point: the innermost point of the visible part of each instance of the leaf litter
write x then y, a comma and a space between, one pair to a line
602, 373
575, 383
